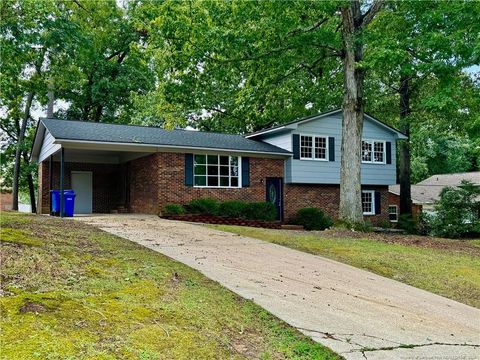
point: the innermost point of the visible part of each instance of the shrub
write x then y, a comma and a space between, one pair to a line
173, 209
203, 206
456, 212
264, 211
234, 209
313, 219
408, 223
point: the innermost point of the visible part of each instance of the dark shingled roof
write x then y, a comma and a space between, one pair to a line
131, 134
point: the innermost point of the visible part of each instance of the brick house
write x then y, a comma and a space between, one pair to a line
427, 192
141, 169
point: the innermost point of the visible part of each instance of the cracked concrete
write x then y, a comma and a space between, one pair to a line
357, 314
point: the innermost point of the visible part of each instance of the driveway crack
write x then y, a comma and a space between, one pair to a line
413, 346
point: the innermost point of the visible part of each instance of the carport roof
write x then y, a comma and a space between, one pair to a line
132, 134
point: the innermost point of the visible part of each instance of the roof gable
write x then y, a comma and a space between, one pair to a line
294, 124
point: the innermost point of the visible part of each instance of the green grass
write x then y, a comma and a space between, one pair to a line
453, 272
70, 291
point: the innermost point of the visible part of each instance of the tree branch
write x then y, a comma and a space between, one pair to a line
370, 14
308, 29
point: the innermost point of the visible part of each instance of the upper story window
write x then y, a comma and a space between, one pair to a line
373, 151
216, 171
313, 147
368, 202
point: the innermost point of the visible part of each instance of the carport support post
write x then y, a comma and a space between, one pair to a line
62, 174
50, 180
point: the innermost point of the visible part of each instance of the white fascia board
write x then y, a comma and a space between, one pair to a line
118, 146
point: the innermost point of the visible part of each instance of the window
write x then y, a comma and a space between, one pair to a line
216, 171
368, 202
393, 213
313, 147
373, 152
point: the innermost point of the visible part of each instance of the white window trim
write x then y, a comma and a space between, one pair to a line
396, 213
313, 136
373, 202
229, 176
372, 142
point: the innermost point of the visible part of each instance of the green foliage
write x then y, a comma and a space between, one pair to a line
173, 209
234, 209
265, 211
456, 212
408, 223
203, 206
354, 226
313, 219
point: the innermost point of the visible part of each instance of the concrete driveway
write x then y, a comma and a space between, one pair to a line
357, 314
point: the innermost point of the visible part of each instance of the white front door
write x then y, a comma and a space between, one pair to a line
82, 185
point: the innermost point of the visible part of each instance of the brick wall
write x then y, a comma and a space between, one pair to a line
172, 189
394, 199
105, 183
6, 200
144, 184
327, 198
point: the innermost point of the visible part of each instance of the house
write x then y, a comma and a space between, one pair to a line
427, 192
141, 169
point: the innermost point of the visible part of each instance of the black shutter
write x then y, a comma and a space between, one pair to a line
296, 146
188, 169
245, 171
388, 145
378, 202
331, 149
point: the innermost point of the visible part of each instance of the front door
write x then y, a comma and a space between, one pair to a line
275, 195
82, 185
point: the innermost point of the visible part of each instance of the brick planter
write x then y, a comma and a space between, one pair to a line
213, 219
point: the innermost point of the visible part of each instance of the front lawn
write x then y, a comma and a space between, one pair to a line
450, 268
70, 291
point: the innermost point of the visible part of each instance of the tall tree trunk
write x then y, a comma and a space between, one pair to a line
18, 152
353, 23
352, 125
51, 100
31, 185
404, 161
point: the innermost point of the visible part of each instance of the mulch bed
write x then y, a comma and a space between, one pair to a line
222, 220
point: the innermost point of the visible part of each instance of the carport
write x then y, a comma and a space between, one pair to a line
98, 172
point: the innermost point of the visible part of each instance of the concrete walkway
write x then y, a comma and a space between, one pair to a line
357, 314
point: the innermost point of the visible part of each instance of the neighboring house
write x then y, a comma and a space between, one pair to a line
6, 199
141, 169
427, 192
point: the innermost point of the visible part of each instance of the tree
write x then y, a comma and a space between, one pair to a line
242, 66
25, 29
424, 44
353, 24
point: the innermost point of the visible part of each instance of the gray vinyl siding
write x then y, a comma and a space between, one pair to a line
48, 147
328, 172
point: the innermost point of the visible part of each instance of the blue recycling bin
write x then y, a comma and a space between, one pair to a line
68, 202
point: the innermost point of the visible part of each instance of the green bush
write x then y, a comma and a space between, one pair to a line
264, 211
313, 219
173, 209
204, 206
234, 209
408, 223
456, 212
364, 226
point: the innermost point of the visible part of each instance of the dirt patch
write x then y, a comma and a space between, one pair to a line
31, 307
402, 239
